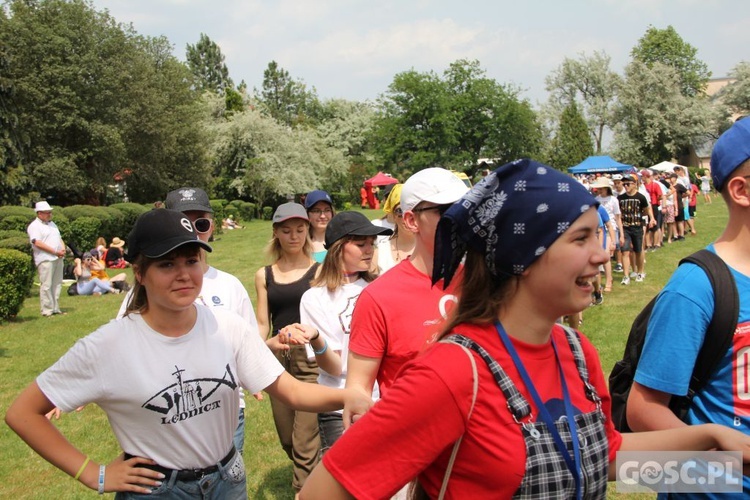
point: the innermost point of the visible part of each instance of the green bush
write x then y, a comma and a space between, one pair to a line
267, 213
113, 221
25, 212
241, 210
16, 277
12, 233
130, 212
18, 243
14, 223
84, 231
219, 212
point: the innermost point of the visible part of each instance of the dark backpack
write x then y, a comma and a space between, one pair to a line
720, 332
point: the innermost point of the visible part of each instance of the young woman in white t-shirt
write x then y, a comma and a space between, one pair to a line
166, 375
326, 308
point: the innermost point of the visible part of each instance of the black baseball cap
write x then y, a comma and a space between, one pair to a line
628, 178
187, 199
351, 224
158, 232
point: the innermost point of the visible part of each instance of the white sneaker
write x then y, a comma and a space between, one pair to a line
625, 281
633, 274
639, 278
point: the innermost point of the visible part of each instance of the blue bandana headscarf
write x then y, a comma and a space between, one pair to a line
512, 217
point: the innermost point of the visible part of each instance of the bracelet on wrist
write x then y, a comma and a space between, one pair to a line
100, 489
80, 471
323, 350
317, 334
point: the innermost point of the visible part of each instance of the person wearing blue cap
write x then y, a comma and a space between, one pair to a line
166, 375
319, 206
509, 403
684, 309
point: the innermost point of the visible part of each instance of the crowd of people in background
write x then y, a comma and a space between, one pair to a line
431, 306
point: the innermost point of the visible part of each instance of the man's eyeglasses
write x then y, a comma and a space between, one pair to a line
202, 225
319, 211
440, 208
627, 183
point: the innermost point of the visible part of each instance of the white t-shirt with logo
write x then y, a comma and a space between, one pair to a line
173, 400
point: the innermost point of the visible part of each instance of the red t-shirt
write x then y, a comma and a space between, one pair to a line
654, 192
397, 315
411, 431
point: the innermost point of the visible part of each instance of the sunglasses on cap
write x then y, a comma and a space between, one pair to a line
202, 225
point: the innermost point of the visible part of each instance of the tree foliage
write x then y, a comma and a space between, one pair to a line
736, 95
656, 120
590, 82
206, 62
256, 157
667, 47
287, 100
572, 144
94, 101
427, 120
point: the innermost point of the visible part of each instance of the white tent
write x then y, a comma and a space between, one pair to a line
665, 166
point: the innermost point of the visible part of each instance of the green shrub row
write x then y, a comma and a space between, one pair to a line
80, 225
16, 278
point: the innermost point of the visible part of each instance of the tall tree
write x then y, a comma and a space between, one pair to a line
656, 121
736, 95
13, 179
287, 100
256, 157
667, 47
96, 101
589, 81
572, 144
206, 62
425, 120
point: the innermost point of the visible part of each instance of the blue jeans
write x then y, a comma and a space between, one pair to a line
331, 428
239, 433
93, 285
228, 483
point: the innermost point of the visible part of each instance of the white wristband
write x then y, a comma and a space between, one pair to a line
101, 480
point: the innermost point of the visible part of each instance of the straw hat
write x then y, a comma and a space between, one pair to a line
117, 242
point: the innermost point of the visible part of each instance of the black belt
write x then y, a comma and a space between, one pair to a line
187, 474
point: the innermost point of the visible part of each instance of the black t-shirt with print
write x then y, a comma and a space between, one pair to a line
632, 208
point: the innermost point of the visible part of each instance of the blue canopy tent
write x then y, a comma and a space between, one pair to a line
594, 164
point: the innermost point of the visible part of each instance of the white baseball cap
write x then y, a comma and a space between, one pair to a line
436, 185
42, 206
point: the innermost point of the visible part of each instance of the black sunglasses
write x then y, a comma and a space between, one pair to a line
440, 208
202, 225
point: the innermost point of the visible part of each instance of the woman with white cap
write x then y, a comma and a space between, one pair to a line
166, 375
279, 288
509, 403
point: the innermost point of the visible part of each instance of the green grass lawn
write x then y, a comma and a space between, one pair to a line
30, 343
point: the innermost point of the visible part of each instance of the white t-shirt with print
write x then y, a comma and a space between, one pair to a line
173, 400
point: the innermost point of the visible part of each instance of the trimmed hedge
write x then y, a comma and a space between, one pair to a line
14, 223
267, 213
241, 210
16, 278
12, 233
83, 232
18, 243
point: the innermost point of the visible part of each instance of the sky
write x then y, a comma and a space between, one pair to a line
353, 49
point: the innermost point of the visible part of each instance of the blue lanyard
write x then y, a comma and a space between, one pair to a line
573, 463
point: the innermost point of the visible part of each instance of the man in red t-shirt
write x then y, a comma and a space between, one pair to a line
401, 311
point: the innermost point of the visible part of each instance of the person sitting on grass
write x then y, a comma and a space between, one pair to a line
88, 284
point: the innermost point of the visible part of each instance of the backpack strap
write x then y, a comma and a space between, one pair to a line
475, 377
723, 323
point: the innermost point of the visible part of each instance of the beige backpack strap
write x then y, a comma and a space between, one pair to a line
458, 441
